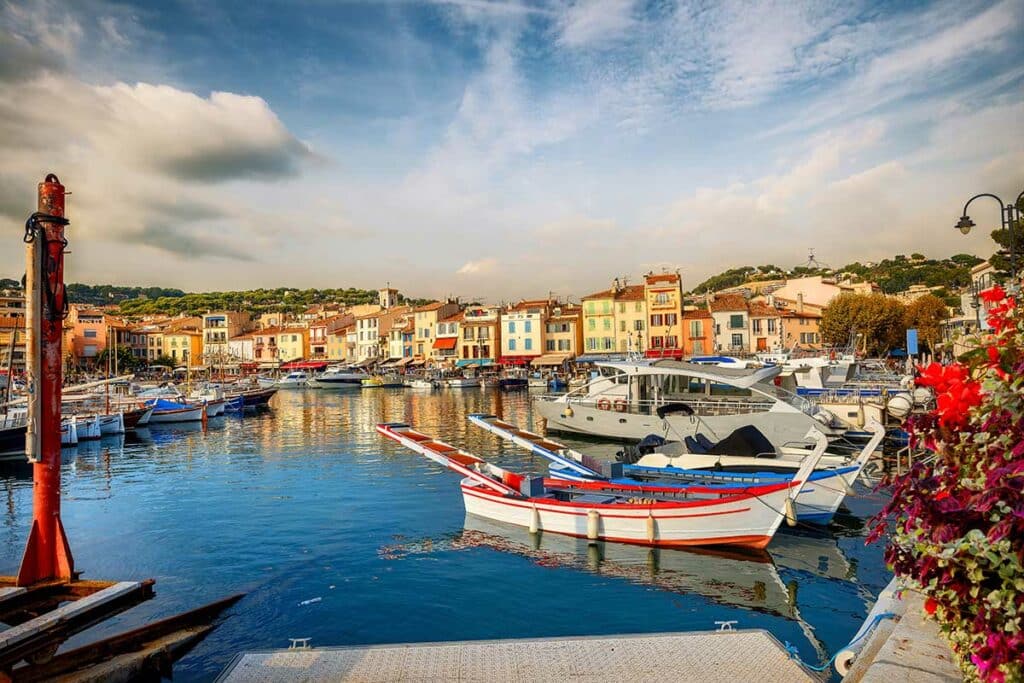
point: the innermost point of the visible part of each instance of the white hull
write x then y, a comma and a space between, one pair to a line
741, 521
422, 384
69, 433
781, 428
463, 382
171, 416
290, 383
89, 428
112, 424
215, 408
353, 382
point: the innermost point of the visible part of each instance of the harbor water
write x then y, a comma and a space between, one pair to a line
338, 536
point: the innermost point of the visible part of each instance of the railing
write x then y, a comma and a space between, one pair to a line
701, 406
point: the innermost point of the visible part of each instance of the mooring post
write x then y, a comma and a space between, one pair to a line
47, 554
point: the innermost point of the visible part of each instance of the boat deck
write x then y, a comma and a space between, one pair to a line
744, 655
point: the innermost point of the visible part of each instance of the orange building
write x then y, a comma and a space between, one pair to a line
698, 333
664, 294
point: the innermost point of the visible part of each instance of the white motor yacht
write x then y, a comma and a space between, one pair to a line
293, 380
622, 402
338, 377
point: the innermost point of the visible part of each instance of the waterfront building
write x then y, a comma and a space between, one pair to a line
819, 290
663, 294
337, 337
267, 321
85, 334
615, 321
242, 348
698, 332
480, 339
425, 319
523, 331
444, 350
399, 328
318, 339
218, 327
731, 319
293, 343
765, 327
12, 303
12, 326
801, 327
183, 345
563, 338
599, 320
973, 314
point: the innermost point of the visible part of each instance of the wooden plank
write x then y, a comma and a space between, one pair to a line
8, 593
13, 636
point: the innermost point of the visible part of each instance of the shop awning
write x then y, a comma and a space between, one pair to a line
517, 360
390, 363
417, 361
469, 362
550, 359
364, 363
305, 365
446, 343
408, 360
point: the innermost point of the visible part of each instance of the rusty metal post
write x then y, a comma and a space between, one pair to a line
47, 554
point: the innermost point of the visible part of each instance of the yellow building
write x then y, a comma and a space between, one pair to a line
663, 295
564, 331
293, 343
183, 346
425, 319
615, 320
12, 326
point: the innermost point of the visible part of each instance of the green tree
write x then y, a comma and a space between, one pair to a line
126, 362
165, 361
1001, 259
926, 314
878, 318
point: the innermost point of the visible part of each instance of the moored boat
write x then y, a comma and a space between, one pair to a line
136, 417
112, 424
337, 377
165, 412
464, 382
647, 515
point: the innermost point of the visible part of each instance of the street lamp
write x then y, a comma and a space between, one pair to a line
1007, 218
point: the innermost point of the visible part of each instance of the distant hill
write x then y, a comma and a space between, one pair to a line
891, 275
153, 300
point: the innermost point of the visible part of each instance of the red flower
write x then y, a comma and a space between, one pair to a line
930, 605
993, 294
942, 495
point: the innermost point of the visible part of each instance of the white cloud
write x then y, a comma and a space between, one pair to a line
589, 21
478, 267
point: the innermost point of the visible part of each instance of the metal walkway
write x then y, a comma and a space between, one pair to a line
747, 655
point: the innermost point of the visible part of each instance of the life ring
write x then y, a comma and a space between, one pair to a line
604, 404
620, 405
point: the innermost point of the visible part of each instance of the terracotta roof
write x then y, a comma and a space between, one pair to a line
453, 318
762, 310
805, 314
631, 293
662, 277
729, 302
425, 308
699, 314
603, 294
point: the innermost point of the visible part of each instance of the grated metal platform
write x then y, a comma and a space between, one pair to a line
745, 655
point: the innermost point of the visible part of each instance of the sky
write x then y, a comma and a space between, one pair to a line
502, 149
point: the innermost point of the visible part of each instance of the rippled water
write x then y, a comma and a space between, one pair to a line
307, 501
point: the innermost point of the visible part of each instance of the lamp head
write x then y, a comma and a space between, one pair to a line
965, 224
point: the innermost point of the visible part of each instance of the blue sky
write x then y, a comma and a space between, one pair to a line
504, 149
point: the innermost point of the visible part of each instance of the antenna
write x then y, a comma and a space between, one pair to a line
812, 262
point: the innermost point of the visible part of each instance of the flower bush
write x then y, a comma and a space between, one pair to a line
956, 523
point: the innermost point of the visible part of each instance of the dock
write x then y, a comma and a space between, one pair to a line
726, 655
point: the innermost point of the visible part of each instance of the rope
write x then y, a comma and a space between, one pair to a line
34, 230
805, 525
795, 654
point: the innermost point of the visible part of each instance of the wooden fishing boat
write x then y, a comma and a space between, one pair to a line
253, 398
817, 502
111, 424
165, 412
12, 437
609, 511
137, 417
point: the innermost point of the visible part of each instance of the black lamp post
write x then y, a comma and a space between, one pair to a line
1006, 213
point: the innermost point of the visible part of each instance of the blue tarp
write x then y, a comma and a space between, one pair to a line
163, 404
466, 362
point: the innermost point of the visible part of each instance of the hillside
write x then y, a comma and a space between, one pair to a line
891, 275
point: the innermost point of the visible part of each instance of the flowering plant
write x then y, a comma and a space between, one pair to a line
956, 522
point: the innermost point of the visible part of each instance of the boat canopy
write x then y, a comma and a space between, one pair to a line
468, 362
305, 365
743, 378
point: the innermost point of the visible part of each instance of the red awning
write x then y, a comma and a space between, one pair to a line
305, 365
516, 360
664, 353
446, 343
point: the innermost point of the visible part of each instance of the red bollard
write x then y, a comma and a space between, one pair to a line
47, 554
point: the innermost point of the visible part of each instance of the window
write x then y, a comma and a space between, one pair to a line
564, 345
671, 342
771, 325
737, 341
528, 327
696, 328
661, 299
467, 333
736, 321
622, 307
528, 344
483, 333
671, 319
656, 320
639, 307
698, 347
511, 344
511, 327
657, 342
551, 345
638, 325
591, 308
756, 324
90, 334
608, 343
622, 326
607, 323
591, 344
591, 324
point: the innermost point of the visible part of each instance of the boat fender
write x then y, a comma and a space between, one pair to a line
652, 528
567, 412
604, 404
593, 525
534, 520
620, 405
790, 512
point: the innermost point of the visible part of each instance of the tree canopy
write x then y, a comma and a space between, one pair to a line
926, 314
877, 320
